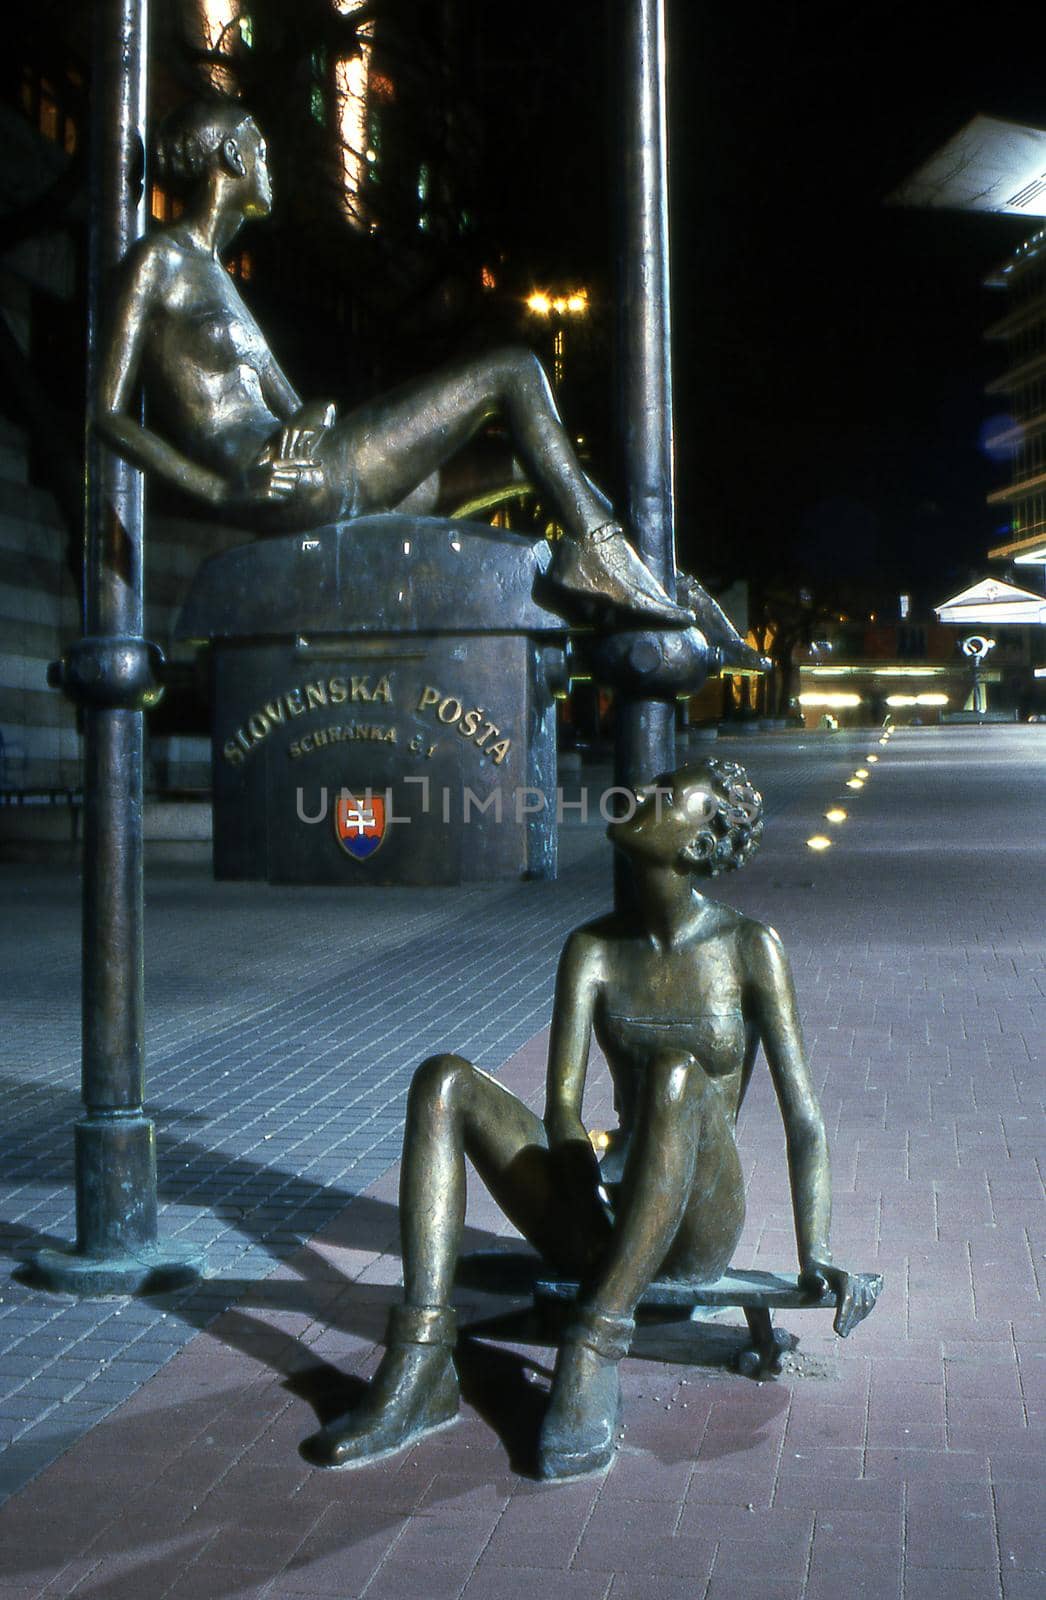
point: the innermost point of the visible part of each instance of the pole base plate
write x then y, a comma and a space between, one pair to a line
155, 1269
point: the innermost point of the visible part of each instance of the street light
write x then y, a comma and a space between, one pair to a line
545, 303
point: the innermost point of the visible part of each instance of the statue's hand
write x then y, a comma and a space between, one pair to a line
301, 438
288, 464
280, 477
855, 1292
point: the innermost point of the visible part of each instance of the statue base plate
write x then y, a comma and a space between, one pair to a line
154, 1270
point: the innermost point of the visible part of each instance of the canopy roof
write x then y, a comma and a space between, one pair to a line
989, 165
993, 602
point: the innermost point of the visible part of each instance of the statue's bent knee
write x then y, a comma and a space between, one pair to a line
439, 1076
516, 361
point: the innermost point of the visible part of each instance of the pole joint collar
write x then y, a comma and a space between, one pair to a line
109, 672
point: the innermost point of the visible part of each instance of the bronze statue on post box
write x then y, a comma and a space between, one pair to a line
236, 435
681, 993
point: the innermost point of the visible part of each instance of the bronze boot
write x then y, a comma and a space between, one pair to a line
414, 1392
602, 566
734, 654
579, 1433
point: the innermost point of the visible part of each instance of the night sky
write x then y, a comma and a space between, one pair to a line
829, 363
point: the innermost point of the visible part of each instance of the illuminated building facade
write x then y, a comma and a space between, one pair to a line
1022, 388
999, 167
862, 673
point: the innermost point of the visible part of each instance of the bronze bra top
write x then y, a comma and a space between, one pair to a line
716, 1039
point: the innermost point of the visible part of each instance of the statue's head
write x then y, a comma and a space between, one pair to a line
704, 819
215, 135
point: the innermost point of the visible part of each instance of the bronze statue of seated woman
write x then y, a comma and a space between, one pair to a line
227, 426
681, 992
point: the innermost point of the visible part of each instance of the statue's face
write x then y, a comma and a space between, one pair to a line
255, 155
669, 816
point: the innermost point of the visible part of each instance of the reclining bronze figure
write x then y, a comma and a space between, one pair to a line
680, 993
227, 426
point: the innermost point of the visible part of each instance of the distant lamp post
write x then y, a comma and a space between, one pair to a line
556, 308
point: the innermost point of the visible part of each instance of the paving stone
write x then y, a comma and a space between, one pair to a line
436, 1578
931, 1583
490, 1582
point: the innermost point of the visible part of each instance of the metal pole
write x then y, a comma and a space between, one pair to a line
110, 673
645, 737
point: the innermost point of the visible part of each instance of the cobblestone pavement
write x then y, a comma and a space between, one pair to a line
151, 1458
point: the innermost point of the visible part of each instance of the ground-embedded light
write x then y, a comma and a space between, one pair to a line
855, 783
819, 842
835, 814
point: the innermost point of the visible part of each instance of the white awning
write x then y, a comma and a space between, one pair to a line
989, 165
993, 603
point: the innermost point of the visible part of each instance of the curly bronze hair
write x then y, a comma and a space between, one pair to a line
730, 833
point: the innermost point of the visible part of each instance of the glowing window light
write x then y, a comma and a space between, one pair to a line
855, 783
900, 700
910, 672
838, 702
487, 278
352, 96
819, 842
218, 24
931, 699
835, 814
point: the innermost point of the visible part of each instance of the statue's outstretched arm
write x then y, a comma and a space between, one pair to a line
808, 1166
576, 986
144, 280
782, 1038
278, 392
575, 1170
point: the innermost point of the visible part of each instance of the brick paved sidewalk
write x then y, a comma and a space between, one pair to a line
905, 1462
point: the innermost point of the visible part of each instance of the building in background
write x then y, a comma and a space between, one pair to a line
999, 167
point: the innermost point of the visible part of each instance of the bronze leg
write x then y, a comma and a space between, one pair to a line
578, 1434
453, 1111
456, 1111
403, 438
666, 1141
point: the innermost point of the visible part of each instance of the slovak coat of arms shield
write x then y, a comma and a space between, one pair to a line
359, 823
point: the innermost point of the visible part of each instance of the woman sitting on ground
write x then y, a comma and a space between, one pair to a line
680, 992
